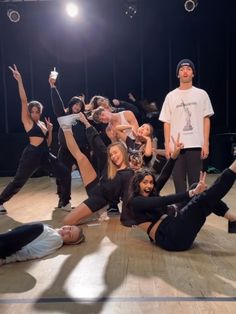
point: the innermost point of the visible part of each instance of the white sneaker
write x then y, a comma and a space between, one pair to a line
3, 210
67, 121
102, 213
67, 207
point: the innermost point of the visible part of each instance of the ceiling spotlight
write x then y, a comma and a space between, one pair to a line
190, 5
72, 9
14, 16
131, 10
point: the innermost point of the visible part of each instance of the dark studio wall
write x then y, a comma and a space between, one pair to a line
105, 52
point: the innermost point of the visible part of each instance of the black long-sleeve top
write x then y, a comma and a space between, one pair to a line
78, 129
115, 189
150, 209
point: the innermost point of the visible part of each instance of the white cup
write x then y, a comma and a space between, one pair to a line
54, 74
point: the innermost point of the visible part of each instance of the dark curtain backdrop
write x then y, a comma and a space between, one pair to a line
105, 52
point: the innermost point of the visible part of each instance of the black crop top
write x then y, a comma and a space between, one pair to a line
36, 131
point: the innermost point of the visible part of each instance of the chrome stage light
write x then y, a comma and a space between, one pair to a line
13, 15
190, 5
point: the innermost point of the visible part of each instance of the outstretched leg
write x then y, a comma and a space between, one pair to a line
87, 171
29, 163
96, 143
179, 232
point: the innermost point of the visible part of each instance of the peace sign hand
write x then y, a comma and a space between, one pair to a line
48, 124
15, 72
177, 146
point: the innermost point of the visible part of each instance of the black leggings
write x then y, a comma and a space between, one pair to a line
33, 158
178, 233
14, 240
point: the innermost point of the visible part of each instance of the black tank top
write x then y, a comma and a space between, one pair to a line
36, 131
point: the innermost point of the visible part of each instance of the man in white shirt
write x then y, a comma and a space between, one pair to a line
186, 111
36, 240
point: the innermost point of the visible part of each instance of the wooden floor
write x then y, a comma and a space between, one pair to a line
116, 270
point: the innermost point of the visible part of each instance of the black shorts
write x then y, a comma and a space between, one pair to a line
95, 200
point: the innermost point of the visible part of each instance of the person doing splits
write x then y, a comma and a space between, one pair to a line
110, 183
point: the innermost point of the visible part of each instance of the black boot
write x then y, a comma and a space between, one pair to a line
232, 226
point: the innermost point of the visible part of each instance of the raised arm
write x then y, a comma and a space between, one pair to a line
167, 169
128, 106
57, 102
25, 116
155, 203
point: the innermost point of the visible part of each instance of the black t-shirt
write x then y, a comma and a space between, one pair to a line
136, 153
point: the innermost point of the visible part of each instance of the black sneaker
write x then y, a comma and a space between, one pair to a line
232, 226
3, 210
113, 210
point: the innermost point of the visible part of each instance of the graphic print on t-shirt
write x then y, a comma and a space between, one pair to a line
188, 126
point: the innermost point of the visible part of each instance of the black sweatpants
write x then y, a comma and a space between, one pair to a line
187, 169
64, 154
15, 239
33, 158
178, 233
65, 157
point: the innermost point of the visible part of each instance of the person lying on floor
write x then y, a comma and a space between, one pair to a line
36, 240
177, 232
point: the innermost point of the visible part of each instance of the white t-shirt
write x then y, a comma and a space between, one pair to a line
184, 110
46, 243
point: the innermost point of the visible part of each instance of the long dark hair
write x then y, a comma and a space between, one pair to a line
75, 100
134, 188
36, 104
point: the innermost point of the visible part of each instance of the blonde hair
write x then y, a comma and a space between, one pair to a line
112, 168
